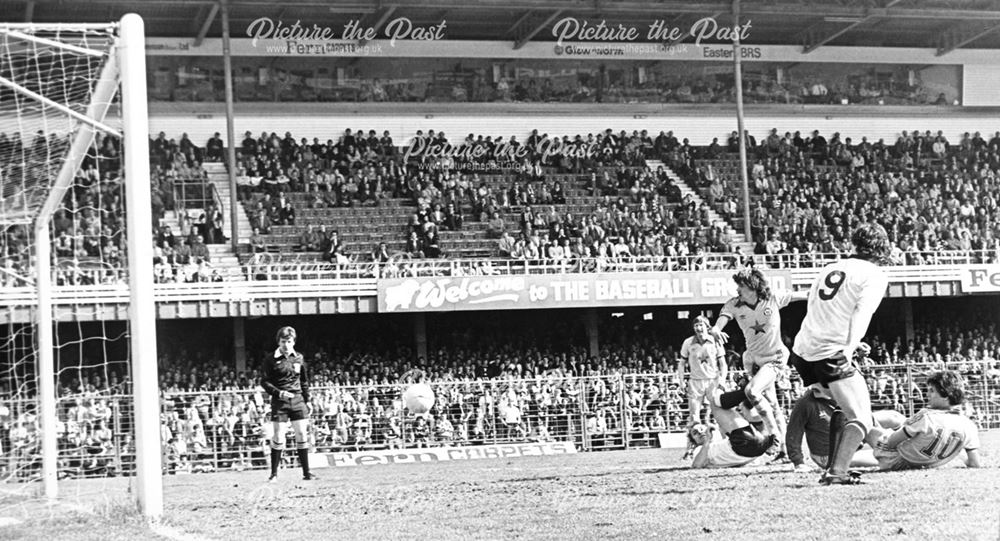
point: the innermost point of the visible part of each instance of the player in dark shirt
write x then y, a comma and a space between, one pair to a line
286, 379
811, 418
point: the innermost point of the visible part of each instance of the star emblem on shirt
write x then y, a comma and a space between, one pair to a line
758, 327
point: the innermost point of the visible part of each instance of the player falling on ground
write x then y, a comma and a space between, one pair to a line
935, 435
756, 311
811, 418
704, 358
842, 300
742, 443
286, 379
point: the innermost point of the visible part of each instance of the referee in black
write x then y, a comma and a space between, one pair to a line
286, 379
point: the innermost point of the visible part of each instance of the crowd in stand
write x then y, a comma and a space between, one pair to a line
493, 390
88, 226
491, 387
631, 215
176, 169
932, 196
88, 229
809, 192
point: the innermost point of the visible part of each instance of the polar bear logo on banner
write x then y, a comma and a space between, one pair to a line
400, 296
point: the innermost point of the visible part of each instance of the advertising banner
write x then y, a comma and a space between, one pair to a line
312, 46
439, 454
533, 291
980, 278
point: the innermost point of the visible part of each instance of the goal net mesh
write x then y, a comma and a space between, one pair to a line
49, 88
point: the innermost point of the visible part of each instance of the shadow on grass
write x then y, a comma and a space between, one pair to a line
667, 469
671, 491
614, 473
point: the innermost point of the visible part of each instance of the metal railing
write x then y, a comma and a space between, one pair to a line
193, 194
278, 267
213, 430
271, 266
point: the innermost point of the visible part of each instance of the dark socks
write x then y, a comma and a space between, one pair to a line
304, 460
837, 422
850, 438
275, 460
731, 399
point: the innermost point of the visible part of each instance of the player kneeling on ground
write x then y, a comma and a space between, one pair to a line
742, 443
812, 417
935, 435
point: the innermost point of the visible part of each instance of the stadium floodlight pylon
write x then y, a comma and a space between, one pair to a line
60, 82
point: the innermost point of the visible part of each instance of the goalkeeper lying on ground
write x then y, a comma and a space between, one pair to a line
741, 444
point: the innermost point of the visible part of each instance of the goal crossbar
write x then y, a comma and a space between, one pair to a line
72, 27
49, 103
51, 43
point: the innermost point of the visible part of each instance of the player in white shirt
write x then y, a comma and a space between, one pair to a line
935, 435
842, 300
741, 444
704, 358
756, 311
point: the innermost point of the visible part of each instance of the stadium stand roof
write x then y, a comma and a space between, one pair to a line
942, 24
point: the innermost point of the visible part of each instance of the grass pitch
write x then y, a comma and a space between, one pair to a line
627, 495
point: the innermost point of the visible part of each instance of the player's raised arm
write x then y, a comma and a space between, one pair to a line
720, 323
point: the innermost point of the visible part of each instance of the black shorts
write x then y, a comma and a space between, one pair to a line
824, 371
290, 409
747, 442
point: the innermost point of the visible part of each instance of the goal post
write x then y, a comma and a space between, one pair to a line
142, 307
70, 144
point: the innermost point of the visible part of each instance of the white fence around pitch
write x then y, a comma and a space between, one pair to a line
277, 267
214, 430
291, 267
276, 277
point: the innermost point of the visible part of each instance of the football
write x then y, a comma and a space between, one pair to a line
418, 398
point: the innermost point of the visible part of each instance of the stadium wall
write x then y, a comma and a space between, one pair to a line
699, 124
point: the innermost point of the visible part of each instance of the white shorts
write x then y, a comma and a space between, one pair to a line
890, 459
779, 358
894, 462
698, 390
721, 455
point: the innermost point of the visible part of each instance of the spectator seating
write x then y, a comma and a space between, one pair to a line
616, 196
932, 198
